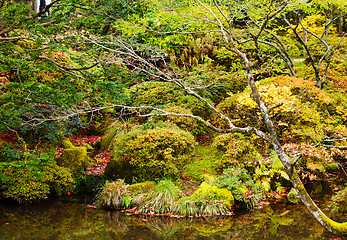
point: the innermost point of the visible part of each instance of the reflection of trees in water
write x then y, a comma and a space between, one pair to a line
123, 226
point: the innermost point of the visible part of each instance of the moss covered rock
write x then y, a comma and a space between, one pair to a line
206, 191
74, 158
206, 201
141, 187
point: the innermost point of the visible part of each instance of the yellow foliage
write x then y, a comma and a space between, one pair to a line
272, 96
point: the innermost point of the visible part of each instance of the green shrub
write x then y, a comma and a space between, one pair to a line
338, 202
150, 153
27, 181
8, 154
235, 150
185, 123
153, 93
293, 196
246, 193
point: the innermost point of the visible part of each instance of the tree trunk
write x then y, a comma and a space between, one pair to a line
341, 22
324, 220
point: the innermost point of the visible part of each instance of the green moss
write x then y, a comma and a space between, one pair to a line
74, 158
336, 227
331, 167
141, 187
207, 178
66, 143
206, 191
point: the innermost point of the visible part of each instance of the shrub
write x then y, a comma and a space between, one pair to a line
246, 193
152, 93
150, 153
293, 196
235, 150
27, 181
338, 202
185, 123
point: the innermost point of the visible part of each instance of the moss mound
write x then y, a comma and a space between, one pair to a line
74, 158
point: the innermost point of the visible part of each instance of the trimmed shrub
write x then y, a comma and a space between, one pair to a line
152, 93
235, 150
150, 153
28, 181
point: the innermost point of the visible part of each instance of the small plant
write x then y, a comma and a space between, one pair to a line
162, 200
246, 193
115, 195
339, 201
293, 196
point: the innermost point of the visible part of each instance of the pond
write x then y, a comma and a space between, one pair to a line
76, 218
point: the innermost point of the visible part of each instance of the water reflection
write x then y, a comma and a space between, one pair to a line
66, 219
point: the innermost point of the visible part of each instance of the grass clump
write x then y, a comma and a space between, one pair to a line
162, 200
115, 195
206, 201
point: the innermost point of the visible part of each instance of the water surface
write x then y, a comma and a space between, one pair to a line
75, 218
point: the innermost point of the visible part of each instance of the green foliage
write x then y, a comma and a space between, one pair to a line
114, 130
293, 196
188, 124
8, 154
271, 175
74, 158
32, 180
162, 200
114, 195
338, 202
153, 93
235, 149
151, 153
246, 193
